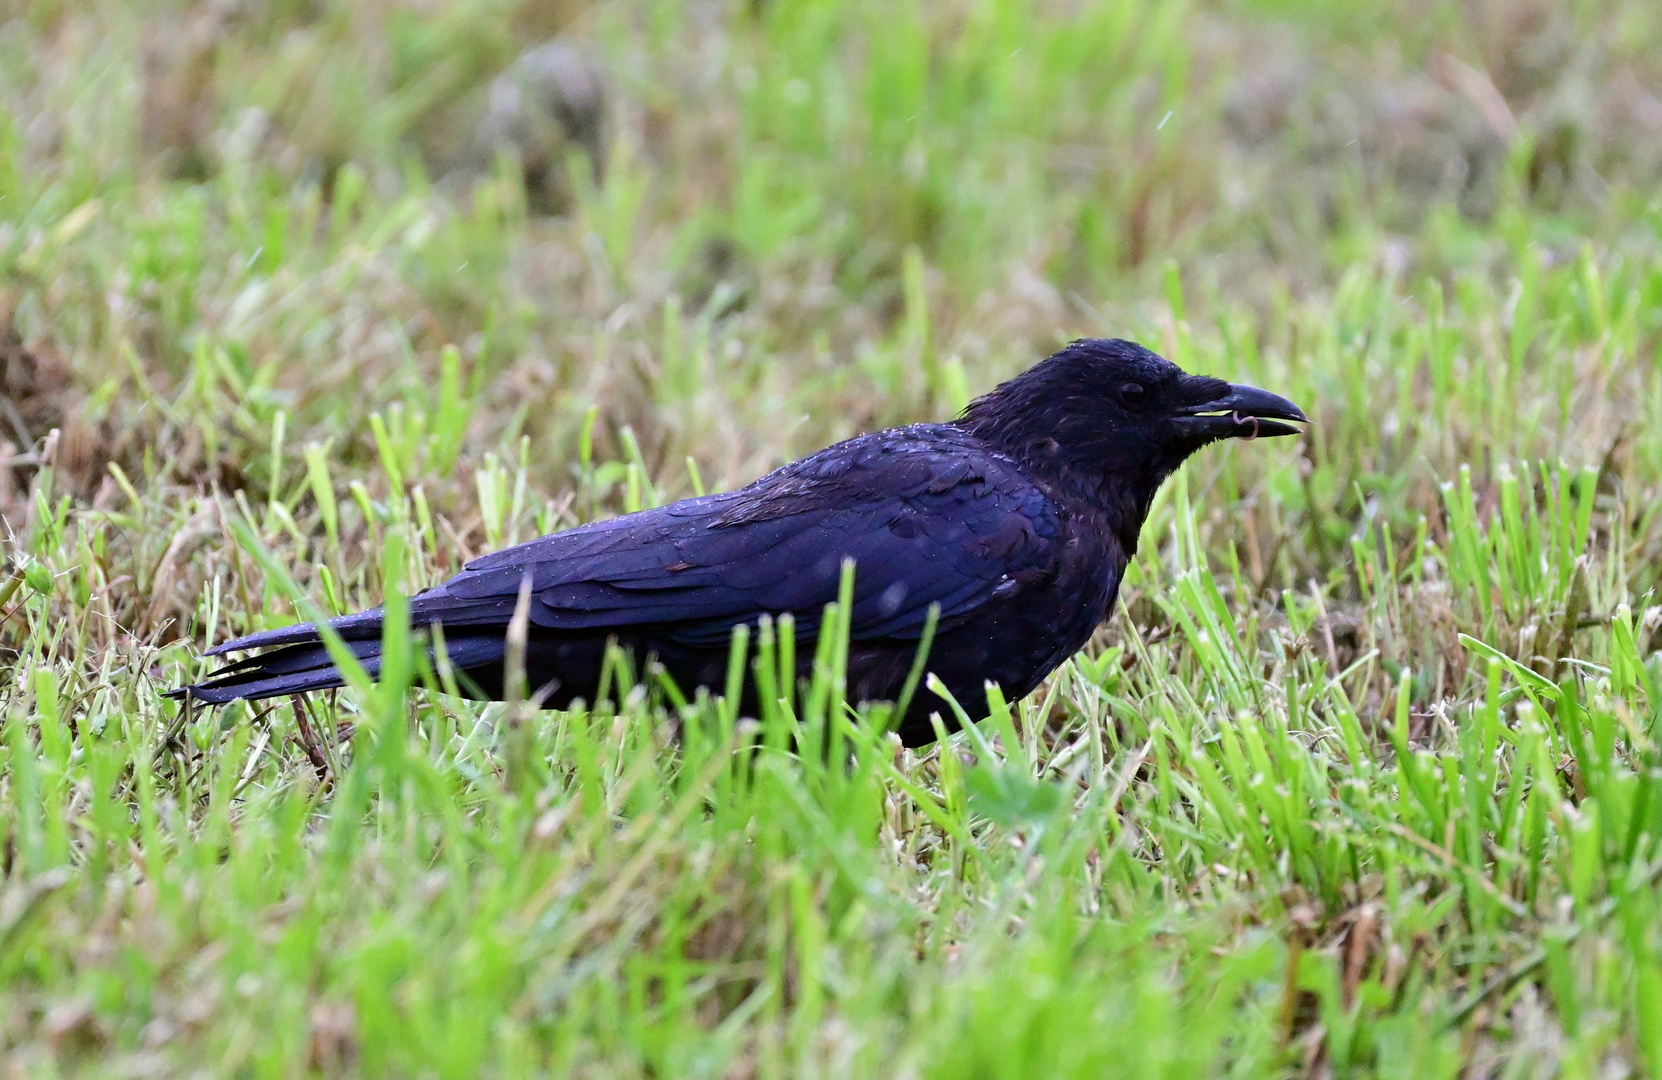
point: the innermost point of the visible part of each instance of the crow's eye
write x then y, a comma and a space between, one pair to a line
1132, 394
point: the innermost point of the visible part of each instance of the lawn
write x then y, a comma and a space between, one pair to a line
1362, 778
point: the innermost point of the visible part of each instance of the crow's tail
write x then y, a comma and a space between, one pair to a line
293, 669
306, 665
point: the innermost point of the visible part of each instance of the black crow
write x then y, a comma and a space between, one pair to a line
1015, 522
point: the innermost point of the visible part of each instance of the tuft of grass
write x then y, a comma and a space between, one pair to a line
1358, 782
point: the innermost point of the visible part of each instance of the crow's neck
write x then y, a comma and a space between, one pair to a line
1120, 502
1117, 492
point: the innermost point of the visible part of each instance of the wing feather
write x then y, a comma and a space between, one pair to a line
924, 525
928, 517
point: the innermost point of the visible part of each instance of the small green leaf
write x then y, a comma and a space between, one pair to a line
1010, 797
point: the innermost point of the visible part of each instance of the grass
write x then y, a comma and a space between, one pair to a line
1361, 780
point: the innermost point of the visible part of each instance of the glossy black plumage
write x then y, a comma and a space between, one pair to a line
1017, 520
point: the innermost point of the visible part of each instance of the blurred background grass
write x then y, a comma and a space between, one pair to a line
320, 197
400, 282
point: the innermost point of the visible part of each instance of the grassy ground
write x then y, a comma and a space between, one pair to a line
1362, 779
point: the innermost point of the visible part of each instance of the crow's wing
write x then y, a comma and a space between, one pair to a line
925, 523
927, 516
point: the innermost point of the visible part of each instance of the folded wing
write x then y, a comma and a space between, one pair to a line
924, 523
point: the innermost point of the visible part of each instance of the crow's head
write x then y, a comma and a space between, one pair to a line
1114, 411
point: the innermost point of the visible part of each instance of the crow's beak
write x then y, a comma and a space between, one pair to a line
1245, 412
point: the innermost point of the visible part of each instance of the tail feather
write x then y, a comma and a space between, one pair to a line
294, 669
365, 625
306, 666
427, 607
